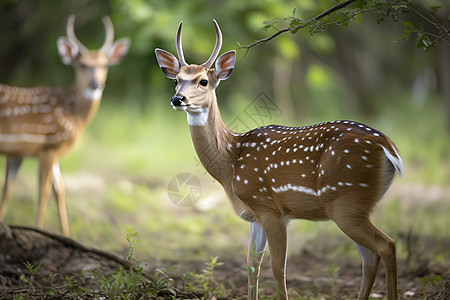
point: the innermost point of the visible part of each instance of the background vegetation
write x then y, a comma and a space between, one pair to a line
117, 177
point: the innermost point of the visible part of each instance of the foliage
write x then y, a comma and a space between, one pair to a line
33, 270
204, 283
431, 281
397, 11
132, 283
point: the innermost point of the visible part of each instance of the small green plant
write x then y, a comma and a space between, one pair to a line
133, 283
251, 269
33, 270
131, 239
333, 272
124, 284
430, 281
51, 280
309, 296
161, 280
204, 283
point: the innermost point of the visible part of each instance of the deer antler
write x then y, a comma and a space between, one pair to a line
71, 33
180, 47
109, 33
217, 47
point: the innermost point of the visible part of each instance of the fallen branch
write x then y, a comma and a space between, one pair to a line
75, 244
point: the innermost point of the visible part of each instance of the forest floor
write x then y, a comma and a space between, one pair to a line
62, 268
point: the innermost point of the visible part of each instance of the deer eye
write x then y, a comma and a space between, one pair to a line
204, 82
175, 81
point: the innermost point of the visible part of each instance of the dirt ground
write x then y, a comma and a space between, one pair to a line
307, 271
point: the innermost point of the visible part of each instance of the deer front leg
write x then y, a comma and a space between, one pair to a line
255, 256
275, 229
58, 187
12, 167
45, 186
370, 262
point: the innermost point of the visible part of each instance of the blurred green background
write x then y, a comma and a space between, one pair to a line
117, 177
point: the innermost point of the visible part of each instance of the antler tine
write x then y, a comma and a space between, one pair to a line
217, 47
109, 33
71, 33
180, 47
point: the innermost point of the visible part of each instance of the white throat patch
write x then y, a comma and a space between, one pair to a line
198, 117
91, 94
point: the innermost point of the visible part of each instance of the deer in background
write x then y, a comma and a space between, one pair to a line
46, 122
331, 171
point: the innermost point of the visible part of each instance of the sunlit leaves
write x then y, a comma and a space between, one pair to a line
396, 11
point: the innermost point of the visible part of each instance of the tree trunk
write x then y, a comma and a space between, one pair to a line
445, 294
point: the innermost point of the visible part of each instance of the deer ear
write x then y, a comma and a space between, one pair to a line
117, 51
168, 63
225, 65
68, 50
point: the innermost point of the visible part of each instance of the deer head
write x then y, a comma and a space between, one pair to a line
91, 66
195, 84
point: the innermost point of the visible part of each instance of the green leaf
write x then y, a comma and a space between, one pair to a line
380, 20
360, 4
423, 41
408, 26
435, 8
294, 23
436, 278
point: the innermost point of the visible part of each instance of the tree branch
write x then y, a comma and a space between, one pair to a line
318, 17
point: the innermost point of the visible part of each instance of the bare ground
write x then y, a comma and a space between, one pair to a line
308, 271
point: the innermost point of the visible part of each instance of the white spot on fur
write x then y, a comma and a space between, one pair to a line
295, 188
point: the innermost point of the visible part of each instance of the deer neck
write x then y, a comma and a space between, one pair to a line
86, 104
213, 143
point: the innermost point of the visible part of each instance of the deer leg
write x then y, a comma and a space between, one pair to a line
276, 233
358, 227
58, 187
45, 186
255, 256
370, 262
12, 167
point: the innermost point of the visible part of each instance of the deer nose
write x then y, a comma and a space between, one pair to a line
95, 85
177, 100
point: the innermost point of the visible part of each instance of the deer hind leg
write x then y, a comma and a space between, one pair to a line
370, 262
12, 167
356, 225
45, 187
58, 187
275, 229
255, 257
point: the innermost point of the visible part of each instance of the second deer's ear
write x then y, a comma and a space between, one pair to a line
68, 50
117, 51
168, 63
225, 65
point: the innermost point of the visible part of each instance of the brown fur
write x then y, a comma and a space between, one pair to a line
46, 122
336, 170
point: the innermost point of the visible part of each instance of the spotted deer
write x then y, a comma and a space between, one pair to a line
272, 174
46, 122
